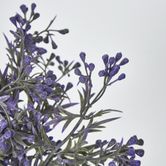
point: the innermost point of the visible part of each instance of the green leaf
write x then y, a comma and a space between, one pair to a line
102, 112
82, 102
66, 124
69, 145
100, 123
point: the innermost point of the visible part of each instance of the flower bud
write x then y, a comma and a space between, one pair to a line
111, 60
63, 31
140, 152
118, 56
124, 61
91, 67
24, 9
82, 56
102, 73
121, 77
33, 6
105, 59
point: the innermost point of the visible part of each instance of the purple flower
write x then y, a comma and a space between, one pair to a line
33, 6
29, 43
83, 56
48, 89
3, 145
30, 138
124, 61
121, 77
112, 142
132, 141
43, 95
8, 134
82, 79
105, 59
37, 116
26, 162
77, 71
13, 20
36, 16
111, 60
28, 69
118, 56
47, 128
131, 152
24, 9
41, 50
63, 31
99, 143
140, 152
48, 81
39, 87
102, 73
3, 124
91, 67
114, 71
27, 60
140, 142
20, 155
69, 86
111, 163
135, 163
17, 19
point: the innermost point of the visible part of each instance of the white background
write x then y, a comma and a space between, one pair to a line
137, 28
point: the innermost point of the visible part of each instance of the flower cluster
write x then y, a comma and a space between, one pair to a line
34, 100
112, 68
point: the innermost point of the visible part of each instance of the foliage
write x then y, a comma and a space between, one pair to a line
25, 123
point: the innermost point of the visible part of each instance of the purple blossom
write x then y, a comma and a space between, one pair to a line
118, 56
33, 6
26, 162
30, 138
27, 60
114, 71
91, 67
133, 140
36, 16
121, 77
77, 71
29, 43
140, 152
24, 8
37, 116
43, 95
41, 50
28, 69
124, 61
69, 86
3, 145
111, 61
48, 81
105, 59
131, 152
135, 163
83, 56
102, 73
111, 163
83, 79
8, 134
3, 125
